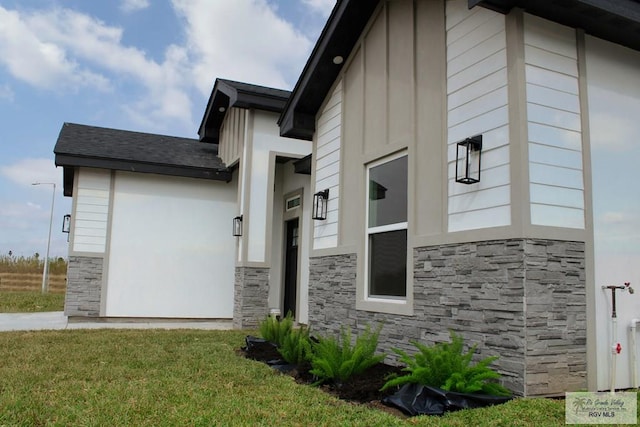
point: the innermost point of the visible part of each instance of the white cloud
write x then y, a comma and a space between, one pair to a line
38, 61
27, 171
322, 6
6, 93
242, 40
129, 6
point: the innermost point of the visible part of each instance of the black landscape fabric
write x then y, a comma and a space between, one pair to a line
416, 399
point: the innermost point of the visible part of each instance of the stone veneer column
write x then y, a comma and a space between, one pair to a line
521, 299
84, 286
556, 316
251, 293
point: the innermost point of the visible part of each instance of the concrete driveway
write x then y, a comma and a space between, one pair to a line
56, 320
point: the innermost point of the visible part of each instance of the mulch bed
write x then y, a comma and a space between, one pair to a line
363, 388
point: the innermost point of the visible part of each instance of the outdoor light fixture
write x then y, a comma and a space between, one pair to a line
237, 226
338, 59
66, 223
320, 202
468, 160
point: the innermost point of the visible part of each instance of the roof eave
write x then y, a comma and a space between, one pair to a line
69, 161
340, 34
224, 96
616, 21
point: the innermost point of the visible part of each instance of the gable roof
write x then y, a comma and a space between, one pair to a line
97, 147
343, 28
229, 93
613, 20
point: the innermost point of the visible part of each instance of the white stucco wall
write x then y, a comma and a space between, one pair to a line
91, 214
171, 249
613, 75
264, 140
477, 102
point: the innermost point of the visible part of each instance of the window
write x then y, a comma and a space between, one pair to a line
292, 203
386, 244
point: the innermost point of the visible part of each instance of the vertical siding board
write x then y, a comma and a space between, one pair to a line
351, 152
401, 66
478, 104
555, 154
231, 136
375, 82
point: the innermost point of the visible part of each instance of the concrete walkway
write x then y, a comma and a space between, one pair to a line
56, 320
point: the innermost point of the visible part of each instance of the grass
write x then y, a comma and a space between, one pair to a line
30, 302
187, 377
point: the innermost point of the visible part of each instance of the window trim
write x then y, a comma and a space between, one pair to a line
368, 231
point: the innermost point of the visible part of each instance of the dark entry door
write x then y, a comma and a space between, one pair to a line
291, 267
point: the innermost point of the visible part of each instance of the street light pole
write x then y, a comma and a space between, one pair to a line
45, 272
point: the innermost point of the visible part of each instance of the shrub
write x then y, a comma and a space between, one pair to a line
337, 360
445, 366
275, 330
296, 346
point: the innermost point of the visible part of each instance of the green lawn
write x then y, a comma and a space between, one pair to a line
187, 378
30, 302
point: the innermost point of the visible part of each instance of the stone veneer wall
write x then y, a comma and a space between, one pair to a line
84, 286
521, 299
250, 302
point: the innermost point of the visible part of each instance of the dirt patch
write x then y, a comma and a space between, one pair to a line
363, 388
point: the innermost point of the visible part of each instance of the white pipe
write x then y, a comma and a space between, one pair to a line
614, 353
632, 344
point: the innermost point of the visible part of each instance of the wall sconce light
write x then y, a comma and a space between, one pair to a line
320, 202
237, 226
468, 160
66, 223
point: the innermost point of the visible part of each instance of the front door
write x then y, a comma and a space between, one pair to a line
291, 266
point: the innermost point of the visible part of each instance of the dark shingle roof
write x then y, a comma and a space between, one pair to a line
97, 147
227, 94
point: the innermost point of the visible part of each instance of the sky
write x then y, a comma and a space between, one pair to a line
141, 65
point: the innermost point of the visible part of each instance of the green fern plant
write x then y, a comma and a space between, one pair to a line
295, 348
337, 360
275, 330
446, 366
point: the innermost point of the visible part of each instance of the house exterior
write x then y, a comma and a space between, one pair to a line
509, 262
151, 219
274, 199
544, 97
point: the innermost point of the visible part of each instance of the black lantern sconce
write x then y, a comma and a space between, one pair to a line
66, 223
237, 226
468, 160
320, 202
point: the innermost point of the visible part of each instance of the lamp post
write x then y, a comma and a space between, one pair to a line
45, 272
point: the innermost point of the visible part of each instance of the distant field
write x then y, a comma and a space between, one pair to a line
31, 282
24, 274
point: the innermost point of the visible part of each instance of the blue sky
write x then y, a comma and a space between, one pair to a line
144, 65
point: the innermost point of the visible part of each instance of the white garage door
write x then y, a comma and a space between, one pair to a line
171, 250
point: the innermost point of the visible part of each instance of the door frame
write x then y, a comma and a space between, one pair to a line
288, 215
